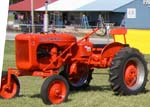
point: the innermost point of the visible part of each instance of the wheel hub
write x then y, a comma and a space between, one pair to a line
56, 92
131, 75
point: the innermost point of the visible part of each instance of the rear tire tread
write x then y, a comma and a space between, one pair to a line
116, 71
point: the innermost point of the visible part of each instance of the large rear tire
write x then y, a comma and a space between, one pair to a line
11, 91
128, 72
54, 90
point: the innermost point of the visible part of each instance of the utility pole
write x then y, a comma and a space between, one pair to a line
32, 16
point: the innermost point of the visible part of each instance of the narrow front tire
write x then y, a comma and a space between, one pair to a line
54, 90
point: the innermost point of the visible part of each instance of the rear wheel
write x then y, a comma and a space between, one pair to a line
128, 72
54, 90
11, 91
78, 76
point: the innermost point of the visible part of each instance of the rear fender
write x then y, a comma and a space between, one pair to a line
109, 51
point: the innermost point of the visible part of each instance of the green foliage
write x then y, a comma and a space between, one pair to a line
98, 95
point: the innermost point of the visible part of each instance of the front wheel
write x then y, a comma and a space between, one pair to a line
128, 72
9, 91
54, 90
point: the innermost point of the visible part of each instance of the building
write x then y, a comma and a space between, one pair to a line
117, 12
137, 14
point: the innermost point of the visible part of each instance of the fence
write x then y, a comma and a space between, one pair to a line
77, 29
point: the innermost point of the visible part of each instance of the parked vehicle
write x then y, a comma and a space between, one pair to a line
66, 62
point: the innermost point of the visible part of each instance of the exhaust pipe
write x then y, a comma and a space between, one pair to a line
45, 28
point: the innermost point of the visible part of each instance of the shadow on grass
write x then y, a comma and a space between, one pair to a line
147, 91
104, 88
29, 95
36, 96
93, 88
99, 88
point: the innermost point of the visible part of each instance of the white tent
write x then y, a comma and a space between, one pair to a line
66, 5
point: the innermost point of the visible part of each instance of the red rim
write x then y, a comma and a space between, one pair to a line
57, 91
131, 72
8, 92
78, 73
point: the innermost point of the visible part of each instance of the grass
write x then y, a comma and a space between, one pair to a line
10, 18
98, 95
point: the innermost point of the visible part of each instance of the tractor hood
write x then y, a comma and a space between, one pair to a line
54, 38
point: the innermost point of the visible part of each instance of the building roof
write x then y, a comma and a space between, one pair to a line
104, 5
25, 5
85, 5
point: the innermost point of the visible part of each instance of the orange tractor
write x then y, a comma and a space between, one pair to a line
66, 62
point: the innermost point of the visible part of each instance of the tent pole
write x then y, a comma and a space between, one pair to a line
32, 16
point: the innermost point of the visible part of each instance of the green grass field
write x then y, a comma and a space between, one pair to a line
99, 94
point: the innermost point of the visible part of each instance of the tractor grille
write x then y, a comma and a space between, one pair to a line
22, 53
